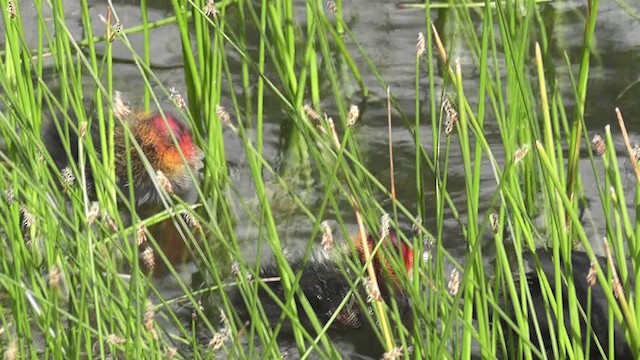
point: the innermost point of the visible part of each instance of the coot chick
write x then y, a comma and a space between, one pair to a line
599, 321
154, 135
325, 286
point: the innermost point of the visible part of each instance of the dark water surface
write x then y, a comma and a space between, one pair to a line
389, 35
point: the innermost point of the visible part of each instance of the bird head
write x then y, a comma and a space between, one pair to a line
168, 144
381, 264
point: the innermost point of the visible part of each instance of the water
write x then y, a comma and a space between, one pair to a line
389, 36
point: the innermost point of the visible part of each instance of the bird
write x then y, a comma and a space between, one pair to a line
599, 314
326, 284
155, 135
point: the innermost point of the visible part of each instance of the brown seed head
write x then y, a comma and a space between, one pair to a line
385, 225
520, 153
415, 227
120, 108
9, 196
598, 144
28, 219
327, 236
109, 222
225, 117
149, 319
94, 211
635, 153
354, 114
163, 182
114, 339
333, 8
451, 115
177, 99
54, 277
612, 192
191, 220
421, 46
171, 353
454, 282
592, 275
148, 258
311, 112
67, 177
11, 9
373, 291
210, 9
141, 234
393, 354
495, 222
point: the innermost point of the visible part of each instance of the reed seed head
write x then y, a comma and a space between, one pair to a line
171, 353
54, 277
11, 353
223, 333
327, 236
108, 220
618, 290
385, 225
333, 7
311, 113
495, 222
393, 354
235, 269
194, 313
149, 319
94, 211
218, 340
40, 156
9, 196
28, 219
415, 227
372, 289
210, 9
82, 131
11, 10
454, 282
141, 234
612, 192
191, 220
451, 115
120, 108
177, 99
67, 177
354, 114
117, 29
114, 339
520, 153
598, 144
164, 182
224, 116
149, 258
592, 275
635, 153
428, 246
224, 320
421, 46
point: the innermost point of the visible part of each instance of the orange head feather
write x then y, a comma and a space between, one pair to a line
381, 265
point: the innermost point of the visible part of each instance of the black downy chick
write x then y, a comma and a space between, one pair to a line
325, 286
599, 325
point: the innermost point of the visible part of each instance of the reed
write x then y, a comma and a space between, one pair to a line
76, 279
